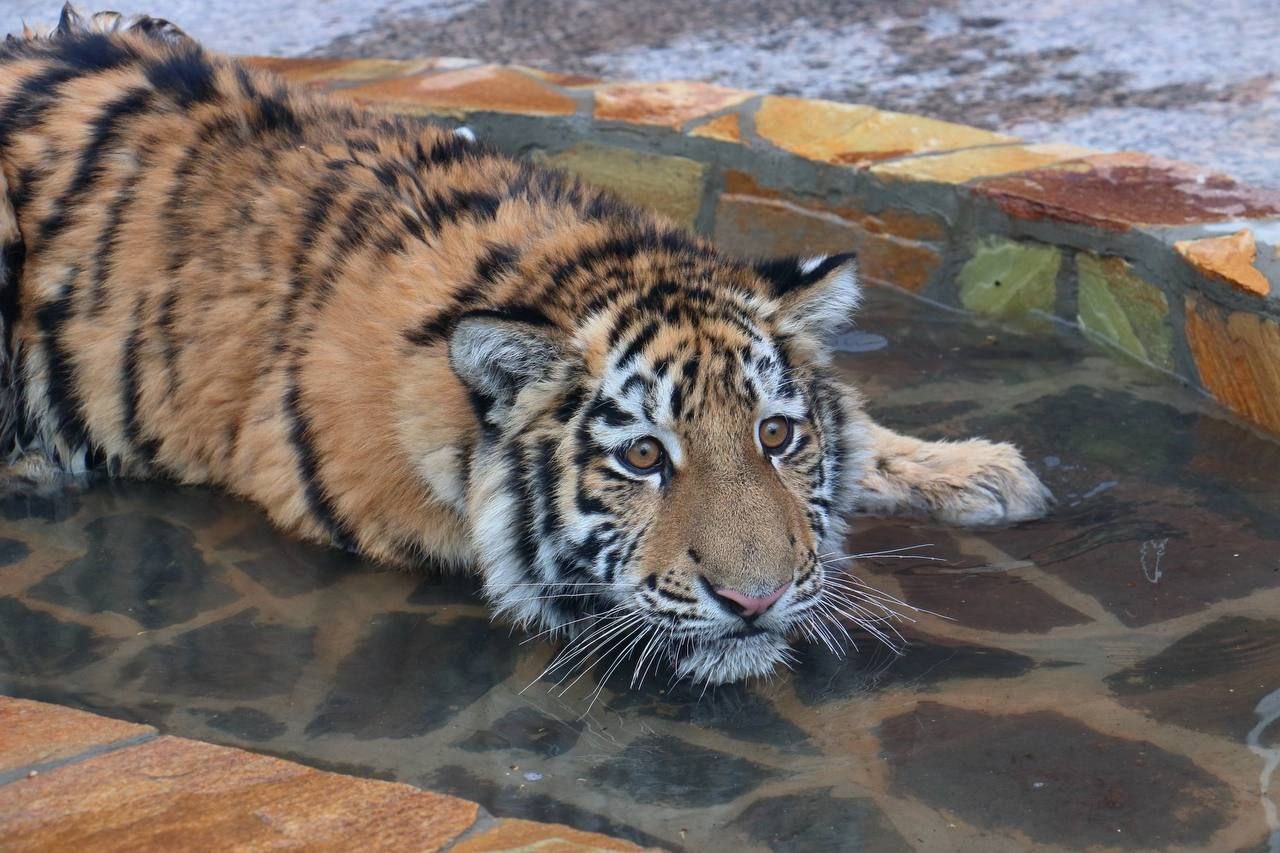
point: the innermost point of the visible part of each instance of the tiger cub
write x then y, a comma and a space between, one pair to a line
402, 343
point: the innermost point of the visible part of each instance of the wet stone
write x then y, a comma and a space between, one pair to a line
739, 711
140, 566
294, 568
1210, 680
822, 677
243, 722
53, 503
35, 644
410, 675
513, 802
663, 770
1052, 779
447, 588
1138, 478
12, 551
816, 820
526, 730
236, 658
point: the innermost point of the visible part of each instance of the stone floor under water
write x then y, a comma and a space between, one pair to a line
1107, 677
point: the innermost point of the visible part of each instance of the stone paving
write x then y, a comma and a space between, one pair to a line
1108, 677
73, 780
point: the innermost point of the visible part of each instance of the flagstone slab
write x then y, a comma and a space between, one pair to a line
667, 104
1229, 258
969, 164
482, 88
34, 734
1121, 191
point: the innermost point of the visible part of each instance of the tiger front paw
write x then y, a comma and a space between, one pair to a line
968, 483
990, 484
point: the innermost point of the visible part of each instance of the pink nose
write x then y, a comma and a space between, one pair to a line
753, 605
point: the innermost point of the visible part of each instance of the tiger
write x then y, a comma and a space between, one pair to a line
397, 341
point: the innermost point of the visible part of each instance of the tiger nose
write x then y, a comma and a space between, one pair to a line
750, 606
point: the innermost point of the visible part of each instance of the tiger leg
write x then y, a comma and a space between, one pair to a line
966, 483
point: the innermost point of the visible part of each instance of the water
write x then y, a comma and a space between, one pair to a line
1108, 677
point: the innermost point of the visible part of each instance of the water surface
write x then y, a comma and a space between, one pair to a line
1108, 677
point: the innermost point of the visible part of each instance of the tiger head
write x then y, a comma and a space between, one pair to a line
665, 457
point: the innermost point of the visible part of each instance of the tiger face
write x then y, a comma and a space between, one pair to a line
665, 480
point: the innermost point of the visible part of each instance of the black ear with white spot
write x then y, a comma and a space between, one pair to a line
497, 354
818, 295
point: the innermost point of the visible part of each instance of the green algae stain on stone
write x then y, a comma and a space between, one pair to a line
1121, 310
670, 185
1009, 280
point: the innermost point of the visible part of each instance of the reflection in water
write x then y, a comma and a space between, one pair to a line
1268, 711
1110, 676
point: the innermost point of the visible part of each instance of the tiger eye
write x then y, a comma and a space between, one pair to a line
644, 454
775, 433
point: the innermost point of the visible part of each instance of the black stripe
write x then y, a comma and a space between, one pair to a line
448, 148
13, 257
131, 394
63, 396
497, 260
184, 75
459, 204
548, 475
109, 238
314, 220
526, 533
607, 409
104, 130
318, 501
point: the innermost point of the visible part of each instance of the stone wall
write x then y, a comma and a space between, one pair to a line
1154, 260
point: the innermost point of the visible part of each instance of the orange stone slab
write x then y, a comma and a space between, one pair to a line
37, 733
485, 87
957, 167
1229, 258
1238, 356
669, 104
173, 794
726, 128
1117, 191
542, 837
859, 135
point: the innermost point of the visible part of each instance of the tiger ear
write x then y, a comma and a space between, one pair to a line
818, 295
496, 354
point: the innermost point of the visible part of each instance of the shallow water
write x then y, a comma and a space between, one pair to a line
1108, 677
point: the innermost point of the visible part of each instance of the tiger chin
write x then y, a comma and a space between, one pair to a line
399, 342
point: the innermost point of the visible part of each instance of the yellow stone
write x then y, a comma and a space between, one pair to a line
726, 128
669, 104
859, 135
957, 167
812, 129
670, 185
1228, 259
